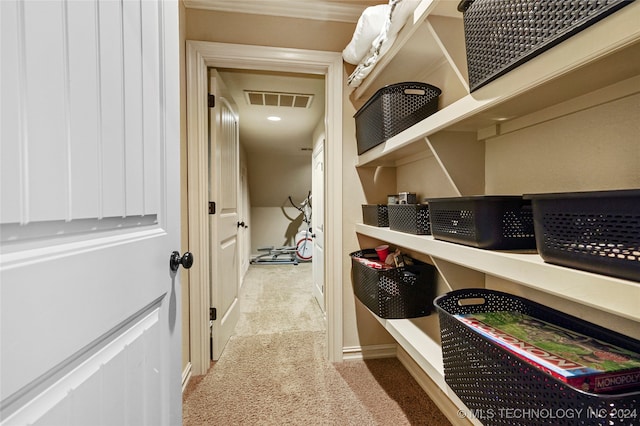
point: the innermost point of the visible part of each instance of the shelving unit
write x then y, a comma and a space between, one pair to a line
472, 136
527, 269
600, 56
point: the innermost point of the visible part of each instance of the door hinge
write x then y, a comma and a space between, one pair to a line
212, 101
213, 314
212, 207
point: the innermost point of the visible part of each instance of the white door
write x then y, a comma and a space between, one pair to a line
223, 190
244, 233
317, 223
89, 213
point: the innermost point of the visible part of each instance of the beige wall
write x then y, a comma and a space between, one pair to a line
273, 226
319, 133
275, 31
594, 148
359, 326
273, 177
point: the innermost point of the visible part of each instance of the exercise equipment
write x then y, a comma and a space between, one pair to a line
281, 255
302, 251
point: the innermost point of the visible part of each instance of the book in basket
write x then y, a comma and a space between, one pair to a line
576, 359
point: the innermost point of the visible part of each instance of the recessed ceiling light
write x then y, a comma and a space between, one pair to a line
273, 118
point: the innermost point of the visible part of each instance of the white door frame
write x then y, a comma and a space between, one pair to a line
200, 56
318, 155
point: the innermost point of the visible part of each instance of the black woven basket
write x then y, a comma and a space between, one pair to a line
505, 390
393, 109
410, 218
405, 292
595, 231
488, 222
500, 35
375, 215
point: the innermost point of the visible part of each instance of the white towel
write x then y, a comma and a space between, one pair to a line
368, 28
399, 12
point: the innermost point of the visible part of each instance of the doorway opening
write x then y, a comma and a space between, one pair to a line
264, 127
281, 120
200, 57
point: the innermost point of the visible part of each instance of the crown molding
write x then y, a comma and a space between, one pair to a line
305, 9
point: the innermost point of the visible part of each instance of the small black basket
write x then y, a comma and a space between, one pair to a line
487, 222
596, 231
494, 382
410, 218
500, 35
393, 109
375, 215
404, 292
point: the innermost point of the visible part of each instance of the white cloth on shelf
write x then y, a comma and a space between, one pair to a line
368, 28
398, 13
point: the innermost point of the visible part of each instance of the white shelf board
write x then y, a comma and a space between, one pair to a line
423, 349
613, 295
389, 154
426, 352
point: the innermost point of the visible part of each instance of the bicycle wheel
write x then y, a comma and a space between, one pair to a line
304, 248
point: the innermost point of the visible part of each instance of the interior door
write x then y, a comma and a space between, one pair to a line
89, 213
223, 190
317, 223
244, 231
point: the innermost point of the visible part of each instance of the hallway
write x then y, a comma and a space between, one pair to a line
274, 372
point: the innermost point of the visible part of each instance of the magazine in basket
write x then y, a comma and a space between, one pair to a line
578, 360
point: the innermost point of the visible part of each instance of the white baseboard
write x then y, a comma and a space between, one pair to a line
351, 353
442, 401
186, 376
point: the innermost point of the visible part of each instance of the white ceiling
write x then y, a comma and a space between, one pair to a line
295, 130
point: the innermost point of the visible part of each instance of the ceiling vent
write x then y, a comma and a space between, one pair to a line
278, 99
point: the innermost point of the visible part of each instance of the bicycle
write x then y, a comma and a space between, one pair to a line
302, 251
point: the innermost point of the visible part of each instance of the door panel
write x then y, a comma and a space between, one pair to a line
224, 187
317, 219
112, 115
89, 152
244, 233
71, 400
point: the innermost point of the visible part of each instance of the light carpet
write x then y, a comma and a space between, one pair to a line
273, 371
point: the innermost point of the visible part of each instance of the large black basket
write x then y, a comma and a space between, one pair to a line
410, 218
596, 231
393, 109
500, 35
502, 389
488, 222
405, 292
375, 215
